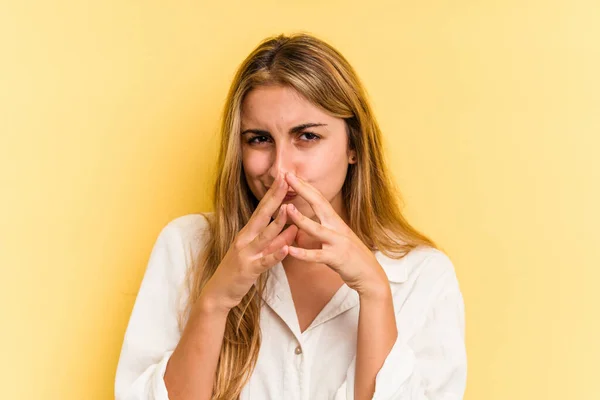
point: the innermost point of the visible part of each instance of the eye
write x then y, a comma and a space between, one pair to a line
255, 140
311, 137
258, 140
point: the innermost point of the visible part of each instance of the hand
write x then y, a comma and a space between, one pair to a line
341, 250
257, 247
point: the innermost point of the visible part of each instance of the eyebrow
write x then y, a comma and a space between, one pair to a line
295, 129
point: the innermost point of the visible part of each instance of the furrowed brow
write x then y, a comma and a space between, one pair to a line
295, 129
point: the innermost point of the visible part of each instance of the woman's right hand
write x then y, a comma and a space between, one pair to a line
257, 247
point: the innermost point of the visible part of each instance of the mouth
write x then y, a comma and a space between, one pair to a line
290, 196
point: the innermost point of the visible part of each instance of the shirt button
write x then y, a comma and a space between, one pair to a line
298, 350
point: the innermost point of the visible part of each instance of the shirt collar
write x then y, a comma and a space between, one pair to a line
278, 296
396, 270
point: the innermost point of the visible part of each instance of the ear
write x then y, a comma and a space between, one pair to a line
352, 159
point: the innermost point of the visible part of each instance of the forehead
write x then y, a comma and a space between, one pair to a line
279, 106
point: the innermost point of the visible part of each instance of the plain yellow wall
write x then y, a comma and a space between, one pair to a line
491, 114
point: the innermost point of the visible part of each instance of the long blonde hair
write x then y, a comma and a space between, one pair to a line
323, 76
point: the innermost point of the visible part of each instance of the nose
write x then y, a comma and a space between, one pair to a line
282, 161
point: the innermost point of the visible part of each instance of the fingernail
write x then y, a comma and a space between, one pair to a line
291, 208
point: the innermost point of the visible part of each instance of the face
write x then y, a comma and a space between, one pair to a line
281, 132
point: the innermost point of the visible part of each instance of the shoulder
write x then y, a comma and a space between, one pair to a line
422, 281
429, 262
188, 226
423, 266
186, 233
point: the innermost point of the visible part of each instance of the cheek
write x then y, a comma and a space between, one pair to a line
327, 175
255, 166
255, 163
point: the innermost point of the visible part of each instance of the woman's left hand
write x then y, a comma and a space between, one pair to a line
341, 249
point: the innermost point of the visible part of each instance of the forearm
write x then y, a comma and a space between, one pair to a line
191, 370
377, 334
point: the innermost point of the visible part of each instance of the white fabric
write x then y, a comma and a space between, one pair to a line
427, 362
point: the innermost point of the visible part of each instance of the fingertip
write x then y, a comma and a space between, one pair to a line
284, 215
283, 251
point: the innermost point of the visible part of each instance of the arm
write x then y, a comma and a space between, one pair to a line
377, 334
428, 358
191, 370
158, 362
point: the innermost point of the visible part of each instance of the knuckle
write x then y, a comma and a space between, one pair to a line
264, 209
281, 218
266, 249
304, 254
238, 245
240, 269
261, 237
320, 229
321, 199
346, 243
264, 262
317, 257
260, 206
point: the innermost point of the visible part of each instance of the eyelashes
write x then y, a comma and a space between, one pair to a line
311, 137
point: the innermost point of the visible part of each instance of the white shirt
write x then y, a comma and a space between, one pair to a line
427, 362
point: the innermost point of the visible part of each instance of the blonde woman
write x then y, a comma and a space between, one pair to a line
305, 282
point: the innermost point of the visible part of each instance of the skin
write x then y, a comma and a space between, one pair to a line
270, 148
322, 162
320, 167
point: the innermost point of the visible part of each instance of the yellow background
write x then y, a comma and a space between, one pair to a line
491, 114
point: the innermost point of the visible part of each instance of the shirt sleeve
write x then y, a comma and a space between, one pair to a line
430, 365
153, 332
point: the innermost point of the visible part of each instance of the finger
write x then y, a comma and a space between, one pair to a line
313, 228
316, 256
269, 233
266, 207
269, 260
284, 238
313, 197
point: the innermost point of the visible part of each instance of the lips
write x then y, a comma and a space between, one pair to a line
290, 195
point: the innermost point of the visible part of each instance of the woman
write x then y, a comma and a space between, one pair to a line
306, 282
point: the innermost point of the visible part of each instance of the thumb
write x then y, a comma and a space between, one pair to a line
305, 241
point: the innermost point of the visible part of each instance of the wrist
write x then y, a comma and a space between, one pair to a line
209, 304
377, 293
